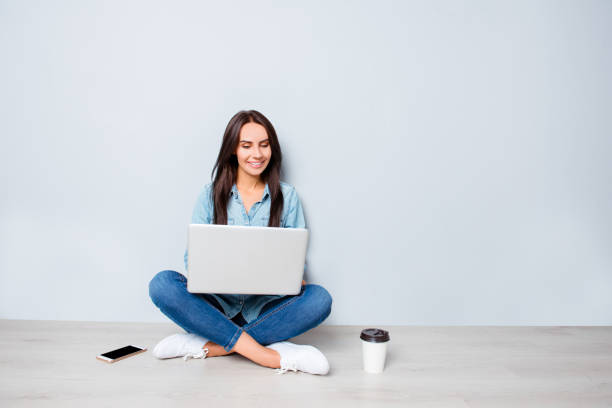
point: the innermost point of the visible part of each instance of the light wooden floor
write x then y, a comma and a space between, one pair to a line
52, 363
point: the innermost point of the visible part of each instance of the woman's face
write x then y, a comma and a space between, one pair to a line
253, 151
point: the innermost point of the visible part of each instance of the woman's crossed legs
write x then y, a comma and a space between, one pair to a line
279, 320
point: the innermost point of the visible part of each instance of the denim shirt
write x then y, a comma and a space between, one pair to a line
258, 215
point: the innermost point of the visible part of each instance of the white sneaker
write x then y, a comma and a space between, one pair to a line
186, 345
300, 357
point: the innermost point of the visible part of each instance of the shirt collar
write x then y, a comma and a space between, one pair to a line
266, 193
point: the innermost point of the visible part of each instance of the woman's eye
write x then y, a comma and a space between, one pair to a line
249, 146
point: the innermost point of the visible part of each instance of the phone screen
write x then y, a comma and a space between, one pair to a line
123, 351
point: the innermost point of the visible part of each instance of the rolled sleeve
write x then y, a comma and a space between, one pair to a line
202, 212
294, 217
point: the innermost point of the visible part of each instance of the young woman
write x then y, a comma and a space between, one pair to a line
246, 190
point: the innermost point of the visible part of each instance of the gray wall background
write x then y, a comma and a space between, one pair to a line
453, 158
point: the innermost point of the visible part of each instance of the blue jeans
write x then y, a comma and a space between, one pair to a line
279, 320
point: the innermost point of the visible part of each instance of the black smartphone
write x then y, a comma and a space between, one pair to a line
120, 353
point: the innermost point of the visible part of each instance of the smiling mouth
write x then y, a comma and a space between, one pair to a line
256, 164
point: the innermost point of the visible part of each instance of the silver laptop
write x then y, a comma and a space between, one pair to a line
245, 260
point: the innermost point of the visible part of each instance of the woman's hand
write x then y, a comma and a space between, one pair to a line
303, 282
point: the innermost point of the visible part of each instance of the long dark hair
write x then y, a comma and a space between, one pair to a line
226, 167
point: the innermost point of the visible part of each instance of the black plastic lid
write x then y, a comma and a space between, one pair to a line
374, 335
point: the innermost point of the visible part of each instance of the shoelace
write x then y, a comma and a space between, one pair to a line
200, 354
292, 365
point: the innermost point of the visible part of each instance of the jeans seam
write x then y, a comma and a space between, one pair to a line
238, 333
274, 311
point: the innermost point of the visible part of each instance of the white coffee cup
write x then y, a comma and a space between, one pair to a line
374, 347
